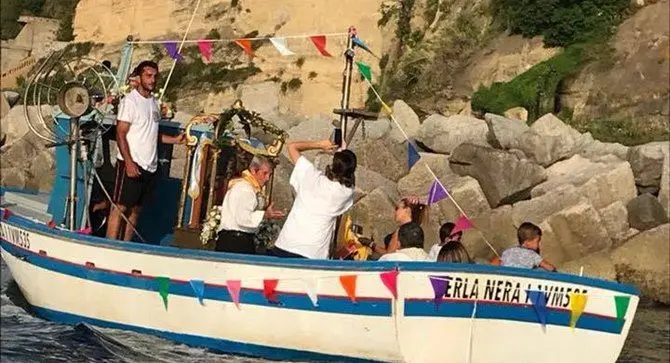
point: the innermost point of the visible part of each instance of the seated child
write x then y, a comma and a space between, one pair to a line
527, 254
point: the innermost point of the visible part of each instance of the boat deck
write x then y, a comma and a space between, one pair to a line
29, 204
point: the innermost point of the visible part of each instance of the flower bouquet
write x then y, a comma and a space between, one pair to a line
210, 226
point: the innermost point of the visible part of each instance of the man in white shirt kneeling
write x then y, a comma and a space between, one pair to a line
242, 208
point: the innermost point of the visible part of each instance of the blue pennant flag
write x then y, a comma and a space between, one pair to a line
412, 155
199, 289
359, 43
539, 304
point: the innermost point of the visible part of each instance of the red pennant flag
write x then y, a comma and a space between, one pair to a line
269, 289
234, 287
6, 214
462, 224
246, 46
390, 280
349, 284
320, 44
51, 224
205, 47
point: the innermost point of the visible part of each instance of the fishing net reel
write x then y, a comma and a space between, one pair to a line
65, 88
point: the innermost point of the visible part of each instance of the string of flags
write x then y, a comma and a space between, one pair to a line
320, 42
439, 283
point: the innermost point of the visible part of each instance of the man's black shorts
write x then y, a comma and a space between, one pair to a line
130, 192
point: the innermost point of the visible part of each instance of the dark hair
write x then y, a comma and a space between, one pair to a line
410, 235
454, 251
527, 231
343, 168
144, 64
445, 231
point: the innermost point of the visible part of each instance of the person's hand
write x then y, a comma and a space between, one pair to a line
327, 145
132, 170
271, 213
180, 139
412, 199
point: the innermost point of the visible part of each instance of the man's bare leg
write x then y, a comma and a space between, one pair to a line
114, 222
132, 218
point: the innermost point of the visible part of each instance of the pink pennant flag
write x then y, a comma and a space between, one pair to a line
390, 280
205, 47
234, 287
320, 44
436, 193
462, 224
86, 231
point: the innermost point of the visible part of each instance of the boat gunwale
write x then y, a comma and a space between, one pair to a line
313, 264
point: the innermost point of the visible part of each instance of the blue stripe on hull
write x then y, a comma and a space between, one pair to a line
513, 312
327, 304
221, 345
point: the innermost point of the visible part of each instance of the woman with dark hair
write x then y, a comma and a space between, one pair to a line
407, 210
320, 198
454, 252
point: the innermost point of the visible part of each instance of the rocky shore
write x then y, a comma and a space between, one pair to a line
602, 206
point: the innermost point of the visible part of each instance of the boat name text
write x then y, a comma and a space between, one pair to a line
16, 236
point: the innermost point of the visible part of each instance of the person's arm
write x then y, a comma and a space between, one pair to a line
176, 139
122, 128
547, 265
496, 261
295, 148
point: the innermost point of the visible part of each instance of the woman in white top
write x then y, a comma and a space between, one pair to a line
320, 199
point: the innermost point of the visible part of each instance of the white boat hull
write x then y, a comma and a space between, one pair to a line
72, 278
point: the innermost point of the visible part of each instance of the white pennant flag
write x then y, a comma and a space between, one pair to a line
311, 287
280, 45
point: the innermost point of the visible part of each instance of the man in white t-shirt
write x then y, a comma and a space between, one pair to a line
320, 199
137, 139
410, 236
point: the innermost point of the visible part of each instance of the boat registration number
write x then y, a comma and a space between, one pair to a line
16, 236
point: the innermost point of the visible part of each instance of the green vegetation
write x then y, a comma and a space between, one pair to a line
312, 75
293, 84
62, 10
623, 130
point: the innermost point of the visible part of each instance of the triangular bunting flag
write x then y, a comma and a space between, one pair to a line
311, 288
163, 289
440, 285
234, 287
171, 48
412, 155
245, 44
365, 71
85, 231
621, 303
462, 224
349, 284
436, 193
390, 280
205, 47
359, 43
577, 305
198, 287
280, 45
51, 224
269, 289
386, 108
320, 44
6, 214
539, 304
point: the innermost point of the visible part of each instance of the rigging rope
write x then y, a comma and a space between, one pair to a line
234, 39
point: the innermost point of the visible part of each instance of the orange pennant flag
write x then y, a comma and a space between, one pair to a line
245, 44
320, 44
349, 284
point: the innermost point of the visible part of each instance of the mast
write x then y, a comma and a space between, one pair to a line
344, 118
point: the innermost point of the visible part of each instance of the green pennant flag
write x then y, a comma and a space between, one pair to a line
621, 306
163, 287
365, 70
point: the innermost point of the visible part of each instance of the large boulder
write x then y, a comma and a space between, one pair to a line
664, 192
503, 176
549, 140
646, 212
382, 156
407, 118
538, 209
43, 169
419, 179
12, 97
598, 264
579, 230
552, 246
645, 262
15, 177
615, 220
503, 131
444, 134
517, 113
597, 149
374, 213
261, 97
647, 163
576, 170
